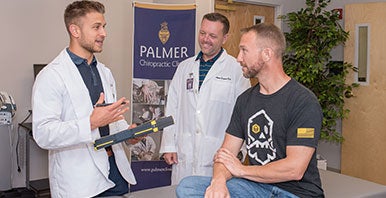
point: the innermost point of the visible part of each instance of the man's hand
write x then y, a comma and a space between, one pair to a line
231, 162
171, 158
225, 165
102, 116
224, 161
217, 189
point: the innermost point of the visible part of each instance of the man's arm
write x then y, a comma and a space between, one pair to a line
290, 168
221, 174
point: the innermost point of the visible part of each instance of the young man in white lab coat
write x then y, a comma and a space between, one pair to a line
200, 99
65, 121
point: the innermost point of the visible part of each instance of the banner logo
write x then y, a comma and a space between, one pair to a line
164, 33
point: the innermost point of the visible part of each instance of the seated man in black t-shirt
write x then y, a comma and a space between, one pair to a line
279, 120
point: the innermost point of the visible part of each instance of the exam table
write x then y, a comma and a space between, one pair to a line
335, 185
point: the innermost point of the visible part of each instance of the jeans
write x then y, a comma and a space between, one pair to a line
195, 186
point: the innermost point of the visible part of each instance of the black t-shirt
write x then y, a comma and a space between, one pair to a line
268, 123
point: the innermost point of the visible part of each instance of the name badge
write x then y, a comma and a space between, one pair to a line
189, 82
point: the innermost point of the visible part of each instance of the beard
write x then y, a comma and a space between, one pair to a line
249, 73
90, 46
253, 72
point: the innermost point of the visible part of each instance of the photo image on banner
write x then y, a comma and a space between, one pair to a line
148, 104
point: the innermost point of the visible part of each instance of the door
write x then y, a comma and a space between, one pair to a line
365, 128
241, 15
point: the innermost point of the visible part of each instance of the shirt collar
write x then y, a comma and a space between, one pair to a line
199, 56
79, 60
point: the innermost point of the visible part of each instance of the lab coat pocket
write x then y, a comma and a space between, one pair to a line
209, 147
185, 148
222, 91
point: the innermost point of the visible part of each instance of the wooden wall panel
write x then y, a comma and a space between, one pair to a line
241, 16
365, 128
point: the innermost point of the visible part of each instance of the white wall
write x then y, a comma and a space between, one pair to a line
31, 33
34, 32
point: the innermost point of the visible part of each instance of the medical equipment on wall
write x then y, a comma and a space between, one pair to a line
7, 111
7, 108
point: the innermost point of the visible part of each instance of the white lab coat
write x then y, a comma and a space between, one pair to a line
201, 116
61, 108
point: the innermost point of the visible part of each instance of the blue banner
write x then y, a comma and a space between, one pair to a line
164, 35
150, 174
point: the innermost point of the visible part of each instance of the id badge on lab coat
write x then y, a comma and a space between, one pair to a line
189, 82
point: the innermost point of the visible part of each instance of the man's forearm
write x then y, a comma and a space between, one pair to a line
220, 173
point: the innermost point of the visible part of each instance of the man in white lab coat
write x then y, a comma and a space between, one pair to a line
200, 99
65, 121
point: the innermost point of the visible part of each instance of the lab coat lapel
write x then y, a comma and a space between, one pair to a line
76, 88
108, 87
216, 68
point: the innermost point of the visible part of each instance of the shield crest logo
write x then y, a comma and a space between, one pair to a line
163, 33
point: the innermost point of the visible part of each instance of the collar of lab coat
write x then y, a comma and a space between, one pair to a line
217, 67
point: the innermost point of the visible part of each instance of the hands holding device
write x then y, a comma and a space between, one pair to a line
106, 113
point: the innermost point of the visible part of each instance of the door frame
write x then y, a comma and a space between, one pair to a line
278, 9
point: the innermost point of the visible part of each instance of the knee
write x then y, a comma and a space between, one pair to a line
192, 186
183, 186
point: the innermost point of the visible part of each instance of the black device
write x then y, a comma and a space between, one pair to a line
106, 104
151, 126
